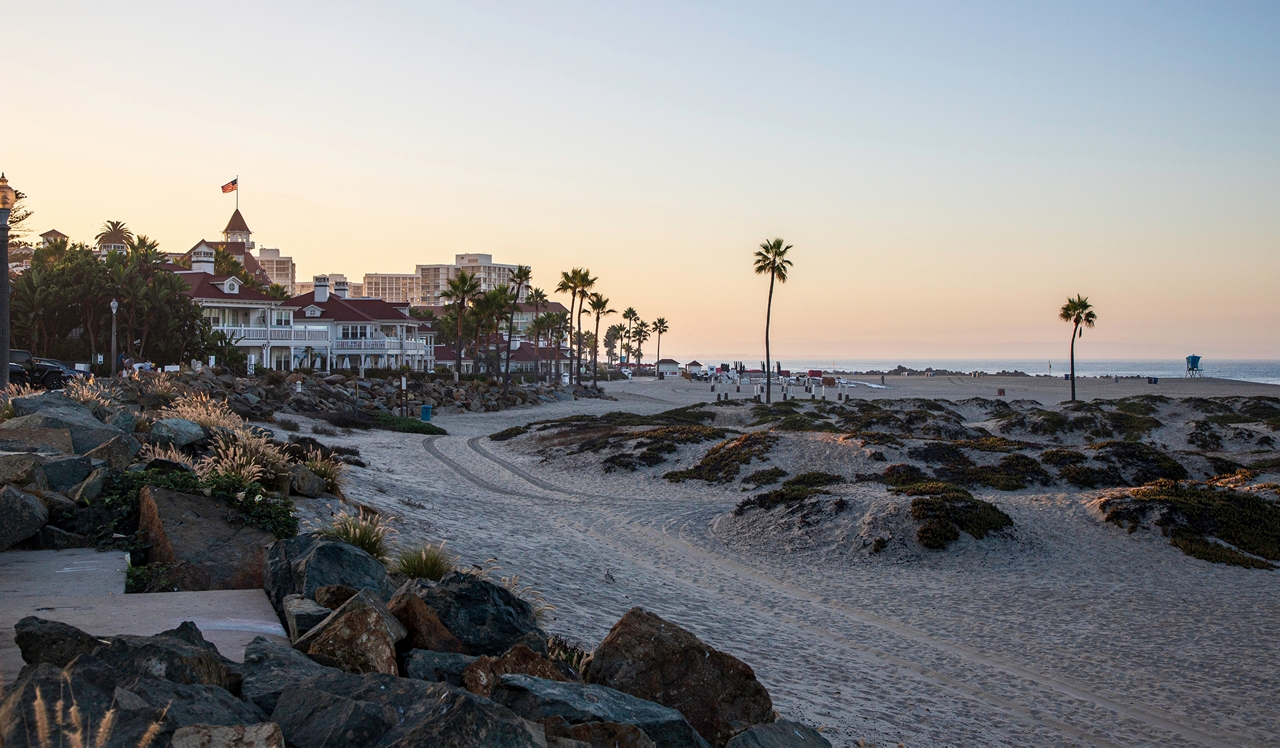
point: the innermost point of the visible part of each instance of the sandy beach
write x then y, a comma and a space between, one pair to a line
1064, 631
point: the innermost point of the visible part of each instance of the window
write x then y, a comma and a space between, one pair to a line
283, 319
354, 332
313, 311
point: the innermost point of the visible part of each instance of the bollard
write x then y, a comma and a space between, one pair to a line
739, 388
713, 388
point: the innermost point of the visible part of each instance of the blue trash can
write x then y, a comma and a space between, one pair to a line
426, 412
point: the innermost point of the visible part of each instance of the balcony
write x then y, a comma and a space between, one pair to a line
381, 343
257, 335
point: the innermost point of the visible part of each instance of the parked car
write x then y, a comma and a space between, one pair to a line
18, 375
43, 375
67, 373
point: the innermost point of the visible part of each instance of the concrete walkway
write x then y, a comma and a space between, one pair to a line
85, 588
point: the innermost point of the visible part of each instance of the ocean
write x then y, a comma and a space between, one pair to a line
1266, 372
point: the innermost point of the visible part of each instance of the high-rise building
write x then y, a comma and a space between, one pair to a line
280, 269
433, 279
393, 288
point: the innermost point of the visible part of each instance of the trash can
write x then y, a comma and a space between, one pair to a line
426, 412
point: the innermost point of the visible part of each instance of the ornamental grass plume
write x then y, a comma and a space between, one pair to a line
367, 531
88, 392
430, 561
247, 455
166, 452
327, 468
205, 411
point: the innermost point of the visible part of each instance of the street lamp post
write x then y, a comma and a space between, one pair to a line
114, 306
7, 198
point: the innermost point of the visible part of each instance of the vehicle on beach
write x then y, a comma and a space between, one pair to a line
40, 372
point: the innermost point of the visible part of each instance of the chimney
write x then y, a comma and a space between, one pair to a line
340, 288
322, 288
202, 259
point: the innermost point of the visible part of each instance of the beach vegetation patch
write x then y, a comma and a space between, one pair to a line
511, 433
901, 474
367, 531
1062, 457
1084, 476
952, 509
813, 480
689, 415
993, 444
431, 561
722, 462
1144, 462
765, 476
366, 420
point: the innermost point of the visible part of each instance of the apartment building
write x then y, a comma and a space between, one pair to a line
354, 290
434, 279
393, 288
281, 269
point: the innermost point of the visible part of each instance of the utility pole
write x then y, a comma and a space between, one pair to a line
7, 198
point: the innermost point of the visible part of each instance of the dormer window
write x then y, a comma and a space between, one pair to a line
231, 286
313, 311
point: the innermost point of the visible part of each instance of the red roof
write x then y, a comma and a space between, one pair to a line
236, 223
53, 234
339, 309
201, 286
238, 251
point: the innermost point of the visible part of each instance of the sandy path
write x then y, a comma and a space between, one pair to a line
1083, 637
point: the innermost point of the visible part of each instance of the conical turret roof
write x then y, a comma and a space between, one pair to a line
236, 223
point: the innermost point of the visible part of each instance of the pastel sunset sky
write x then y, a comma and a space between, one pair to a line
948, 173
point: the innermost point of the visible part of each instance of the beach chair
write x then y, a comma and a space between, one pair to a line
1193, 367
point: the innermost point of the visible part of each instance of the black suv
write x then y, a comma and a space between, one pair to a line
40, 373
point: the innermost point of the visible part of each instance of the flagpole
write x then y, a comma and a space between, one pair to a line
237, 192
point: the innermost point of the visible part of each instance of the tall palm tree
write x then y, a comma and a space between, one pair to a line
771, 258
599, 307
630, 316
659, 327
114, 232
519, 278
639, 334
570, 281
612, 335
460, 291
585, 283
1079, 312
538, 299
557, 328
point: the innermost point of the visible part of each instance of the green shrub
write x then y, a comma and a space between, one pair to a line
367, 531
813, 480
426, 562
765, 477
953, 509
722, 462
1062, 457
1082, 476
510, 433
936, 534
365, 420
902, 474
288, 424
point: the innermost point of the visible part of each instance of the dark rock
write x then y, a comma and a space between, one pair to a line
62, 511
780, 734
537, 699
482, 615
301, 615
481, 676
167, 467
304, 482
21, 516
261, 735
177, 432
51, 642
332, 596
22, 470
115, 452
190, 704
64, 472
36, 440
52, 410
424, 626
269, 668
311, 718
358, 637
180, 655
88, 490
93, 520
304, 564
212, 546
437, 666
123, 420
597, 734
651, 658
51, 538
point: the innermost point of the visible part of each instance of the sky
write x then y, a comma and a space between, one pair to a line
947, 173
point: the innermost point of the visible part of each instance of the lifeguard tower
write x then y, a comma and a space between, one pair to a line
1193, 367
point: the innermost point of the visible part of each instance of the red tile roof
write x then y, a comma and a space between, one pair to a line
201, 286
349, 310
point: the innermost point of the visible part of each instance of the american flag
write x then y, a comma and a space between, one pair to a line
231, 186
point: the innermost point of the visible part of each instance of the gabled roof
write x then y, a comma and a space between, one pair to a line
236, 223
238, 251
53, 234
208, 287
338, 309
694, 363
669, 361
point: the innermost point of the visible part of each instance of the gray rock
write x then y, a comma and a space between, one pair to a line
94, 520
304, 482
123, 420
301, 615
36, 440
303, 564
261, 735
780, 734
167, 467
116, 452
65, 472
21, 516
88, 490
424, 664
53, 410
190, 704
51, 642
22, 470
318, 719
210, 543
51, 538
269, 668
537, 699
177, 432
181, 655
484, 616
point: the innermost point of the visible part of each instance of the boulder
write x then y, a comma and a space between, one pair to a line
42, 696
270, 667
51, 538
167, 467
52, 410
437, 666
424, 626
780, 734
61, 509
180, 655
64, 472
597, 734
213, 547
538, 699
304, 482
23, 469
304, 564
21, 516
52, 642
358, 637
89, 489
177, 432
651, 658
261, 735
481, 676
192, 703
332, 596
485, 617
36, 440
301, 615
345, 710
116, 452
123, 420
91, 521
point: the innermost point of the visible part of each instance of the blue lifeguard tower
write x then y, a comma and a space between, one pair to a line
1193, 367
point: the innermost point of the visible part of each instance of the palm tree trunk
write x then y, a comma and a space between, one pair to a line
1074, 334
457, 344
768, 361
595, 357
657, 362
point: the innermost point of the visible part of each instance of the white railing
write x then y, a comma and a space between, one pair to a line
259, 334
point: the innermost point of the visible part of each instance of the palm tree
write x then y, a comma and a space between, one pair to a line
611, 337
520, 276
1079, 312
569, 283
460, 290
557, 328
537, 298
585, 283
639, 333
599, 307
659, 327
630, 316
114, 232
771, 258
